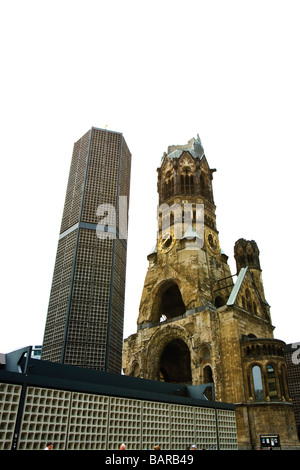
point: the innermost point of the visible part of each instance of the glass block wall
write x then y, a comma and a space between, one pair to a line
85, 421
84, 324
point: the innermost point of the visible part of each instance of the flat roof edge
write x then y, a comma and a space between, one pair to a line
39, 373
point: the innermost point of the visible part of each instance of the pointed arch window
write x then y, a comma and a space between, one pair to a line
187, 182
208, 379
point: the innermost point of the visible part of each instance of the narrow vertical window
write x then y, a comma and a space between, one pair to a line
257, 383
182, 185
191, 184
271, 381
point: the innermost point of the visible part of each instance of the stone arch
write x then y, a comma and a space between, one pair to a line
205, 353
207, 374
175, 363
167, 301
170, 348
135, 369
219, 301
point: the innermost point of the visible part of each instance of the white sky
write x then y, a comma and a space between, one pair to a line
159, 72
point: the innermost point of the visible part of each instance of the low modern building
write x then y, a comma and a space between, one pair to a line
83, 409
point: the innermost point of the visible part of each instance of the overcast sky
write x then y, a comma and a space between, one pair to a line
160, 72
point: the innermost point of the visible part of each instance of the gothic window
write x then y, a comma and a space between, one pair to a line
182, 186
271, 382
257, 383
208, 378
168, 189
191, 183
186, 181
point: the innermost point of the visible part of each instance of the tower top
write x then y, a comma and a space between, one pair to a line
246, 253
193, 146
184, 171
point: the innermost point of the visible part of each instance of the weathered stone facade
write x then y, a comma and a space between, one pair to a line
199, 324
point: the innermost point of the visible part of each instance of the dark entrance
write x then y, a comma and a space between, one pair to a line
175, 363
171, 303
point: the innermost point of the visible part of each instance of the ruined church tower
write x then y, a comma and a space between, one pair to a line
200, 324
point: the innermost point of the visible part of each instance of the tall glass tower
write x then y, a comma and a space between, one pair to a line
84, 325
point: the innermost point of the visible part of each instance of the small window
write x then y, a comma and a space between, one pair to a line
271, 381
219, 301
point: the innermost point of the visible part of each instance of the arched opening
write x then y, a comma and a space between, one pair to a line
219, 301
257, 383
175, 363
171, 304
187, 181
208, 378
207, 375
135, 370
